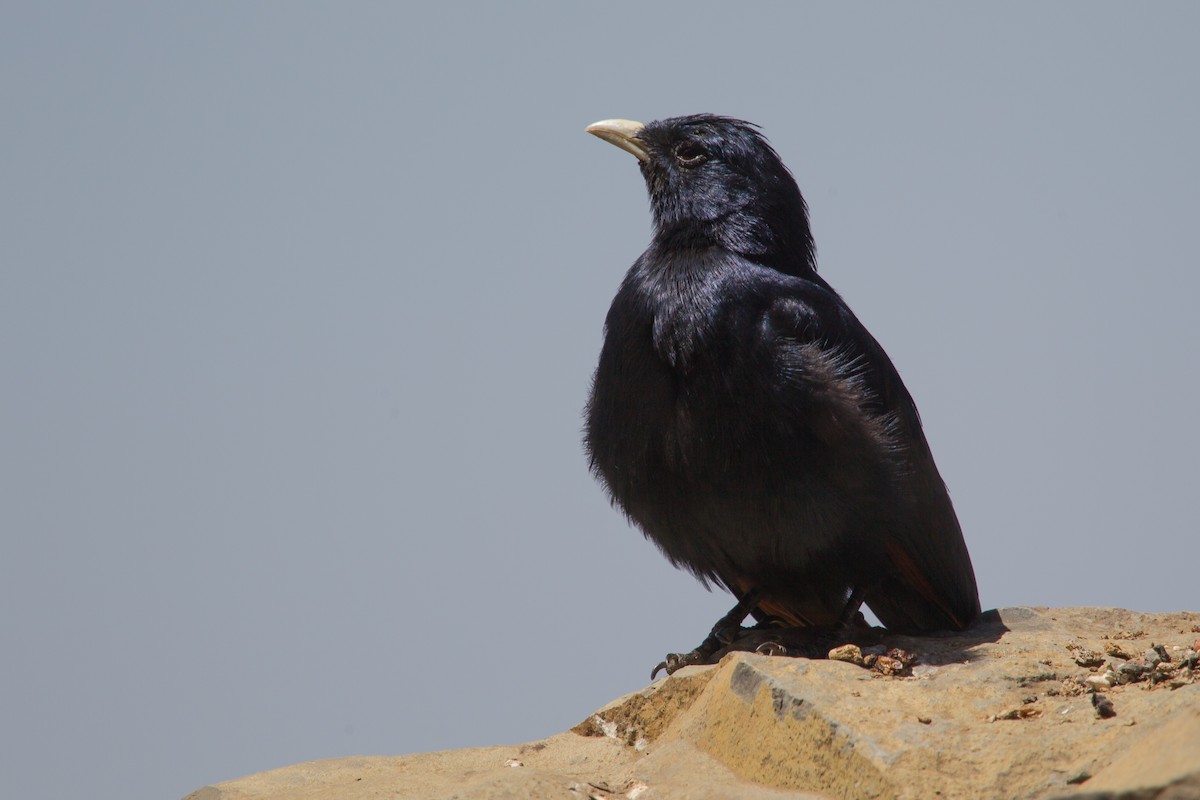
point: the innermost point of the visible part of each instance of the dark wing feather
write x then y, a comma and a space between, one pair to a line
834, 373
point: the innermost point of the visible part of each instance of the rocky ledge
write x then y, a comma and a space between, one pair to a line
1028, 703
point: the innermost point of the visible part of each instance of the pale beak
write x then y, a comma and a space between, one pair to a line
621, 132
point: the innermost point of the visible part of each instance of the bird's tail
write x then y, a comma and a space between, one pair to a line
920, 598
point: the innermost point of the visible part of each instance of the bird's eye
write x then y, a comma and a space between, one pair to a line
690, 154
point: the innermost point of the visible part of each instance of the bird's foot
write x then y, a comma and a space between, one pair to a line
764, 639
770, 638
812, 642
718, 642
677, 661
771, 649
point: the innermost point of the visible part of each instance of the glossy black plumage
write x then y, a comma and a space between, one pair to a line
745, 419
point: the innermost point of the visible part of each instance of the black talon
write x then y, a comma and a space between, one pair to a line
771, 649
677, 661
723, 634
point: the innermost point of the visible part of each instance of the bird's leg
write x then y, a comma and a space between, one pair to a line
724, 632
850, 612
853, 604
730, 625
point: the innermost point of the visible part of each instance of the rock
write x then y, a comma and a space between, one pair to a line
1159, 765
1104, 707
1001, 710
1133, 671
1086, 658
850, 653
1117, 651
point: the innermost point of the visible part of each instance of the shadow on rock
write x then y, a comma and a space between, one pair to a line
949, 647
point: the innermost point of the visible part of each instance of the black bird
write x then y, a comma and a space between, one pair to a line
745, 419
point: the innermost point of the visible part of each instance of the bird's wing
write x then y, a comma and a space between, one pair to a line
836, 378
831, 372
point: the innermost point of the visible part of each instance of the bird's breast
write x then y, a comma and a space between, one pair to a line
664, 410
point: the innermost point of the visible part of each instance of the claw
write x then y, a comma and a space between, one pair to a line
723, 634
672, 664
771, 649
677, 661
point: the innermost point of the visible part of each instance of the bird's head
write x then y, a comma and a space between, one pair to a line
716, 180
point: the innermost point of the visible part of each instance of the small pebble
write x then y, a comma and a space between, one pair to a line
924, 720
1100, 682
1133, 671
1104, 707
850, 653
886, 665
1117, 651
896, 663
1124, 634
1019, 713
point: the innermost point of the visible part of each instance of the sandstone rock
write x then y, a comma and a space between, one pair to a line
1002, 710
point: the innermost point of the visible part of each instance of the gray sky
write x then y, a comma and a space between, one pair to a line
299, 305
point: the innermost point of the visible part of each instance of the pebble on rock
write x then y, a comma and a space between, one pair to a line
1117, 651
850, 653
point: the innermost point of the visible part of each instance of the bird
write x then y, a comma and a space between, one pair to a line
744, 418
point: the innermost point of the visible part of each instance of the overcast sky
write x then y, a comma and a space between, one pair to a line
299, 304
